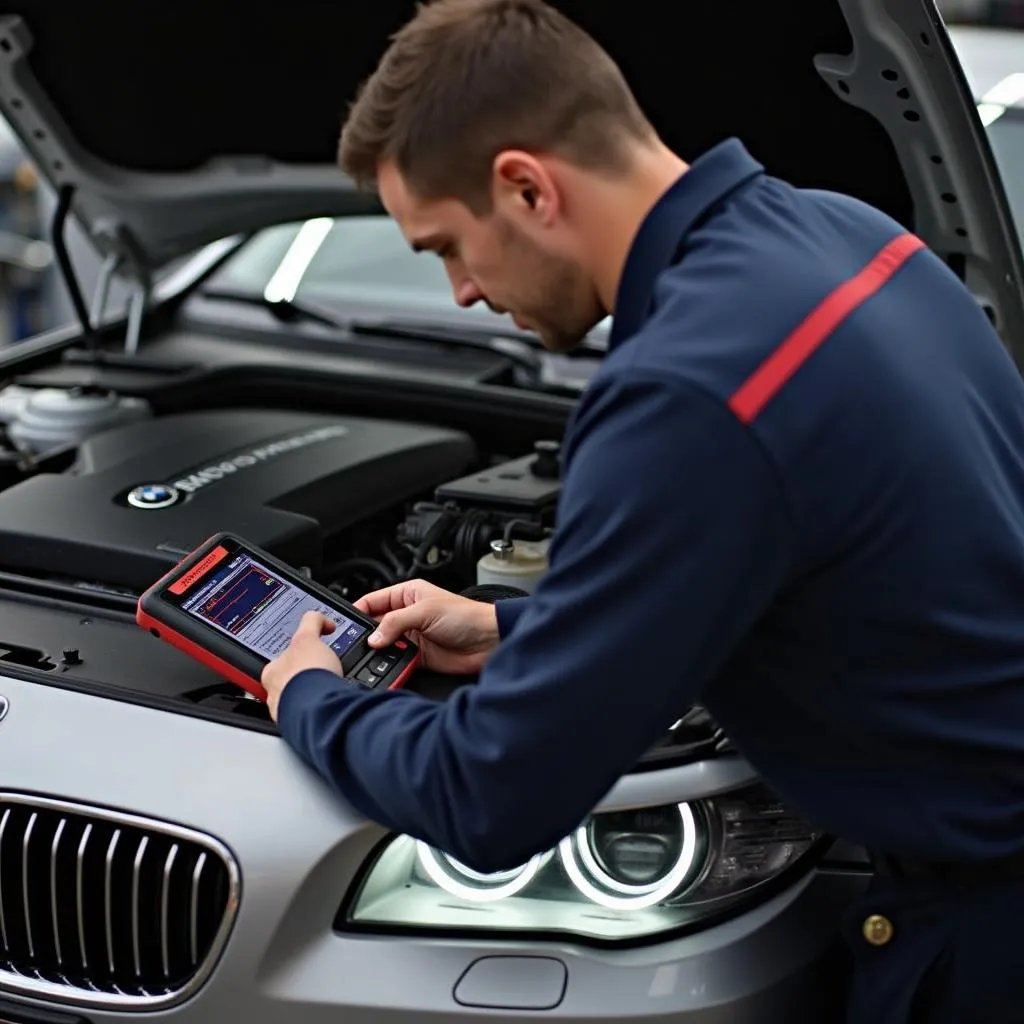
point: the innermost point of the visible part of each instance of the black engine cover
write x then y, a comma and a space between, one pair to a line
284, 481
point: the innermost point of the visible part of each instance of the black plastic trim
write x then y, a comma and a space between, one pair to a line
57, 598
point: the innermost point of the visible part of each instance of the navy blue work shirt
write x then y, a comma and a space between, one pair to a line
825, 545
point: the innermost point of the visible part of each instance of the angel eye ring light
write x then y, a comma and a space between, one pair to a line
443, 871
594, 882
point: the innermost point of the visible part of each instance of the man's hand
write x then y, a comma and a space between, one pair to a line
306, 650
454, 634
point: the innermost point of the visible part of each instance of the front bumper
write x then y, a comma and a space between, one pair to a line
298, 848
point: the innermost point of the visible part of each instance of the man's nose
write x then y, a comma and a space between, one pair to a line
466, 293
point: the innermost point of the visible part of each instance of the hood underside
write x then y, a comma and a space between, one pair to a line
179, 123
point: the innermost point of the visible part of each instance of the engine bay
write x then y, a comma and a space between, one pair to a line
100, 494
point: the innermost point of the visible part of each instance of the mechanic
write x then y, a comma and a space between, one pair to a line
794, 491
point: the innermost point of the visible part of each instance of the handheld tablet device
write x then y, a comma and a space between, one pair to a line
234, 608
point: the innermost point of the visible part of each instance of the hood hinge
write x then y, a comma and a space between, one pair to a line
122, 256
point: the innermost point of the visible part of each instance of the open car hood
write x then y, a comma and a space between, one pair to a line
179, 123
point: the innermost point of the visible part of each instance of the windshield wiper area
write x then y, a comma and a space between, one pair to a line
512, 346
286, 310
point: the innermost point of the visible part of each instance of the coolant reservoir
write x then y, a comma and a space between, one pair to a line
12, 400
513, 564
52, 417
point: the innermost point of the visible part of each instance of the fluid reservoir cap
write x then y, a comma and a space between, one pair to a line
503, 550
546, 465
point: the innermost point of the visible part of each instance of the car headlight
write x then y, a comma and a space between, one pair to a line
624, 875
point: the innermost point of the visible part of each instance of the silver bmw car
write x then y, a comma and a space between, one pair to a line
262, 354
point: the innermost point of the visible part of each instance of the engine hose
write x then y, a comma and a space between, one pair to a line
432, 538
393, 560
531, 531
471, 538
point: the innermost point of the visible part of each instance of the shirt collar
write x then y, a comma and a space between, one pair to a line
709, 179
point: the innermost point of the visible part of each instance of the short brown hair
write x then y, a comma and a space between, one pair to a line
465, 79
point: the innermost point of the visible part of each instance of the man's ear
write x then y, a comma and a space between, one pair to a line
524, 187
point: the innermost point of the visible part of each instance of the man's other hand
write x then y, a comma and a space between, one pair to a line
455, 635
306, 650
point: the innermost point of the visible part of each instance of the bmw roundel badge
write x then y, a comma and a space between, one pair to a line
153, 496
4, 705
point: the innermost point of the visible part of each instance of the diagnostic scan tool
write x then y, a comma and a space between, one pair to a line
235, 608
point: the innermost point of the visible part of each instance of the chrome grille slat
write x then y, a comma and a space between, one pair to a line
197, 876
24, 884
54, 849
3, 918
136, 881
80, 896
108, 900
139, 910
165, 899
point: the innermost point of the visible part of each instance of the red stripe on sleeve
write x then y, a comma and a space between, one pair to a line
766, 381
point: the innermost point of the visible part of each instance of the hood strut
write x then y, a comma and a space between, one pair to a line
67, 271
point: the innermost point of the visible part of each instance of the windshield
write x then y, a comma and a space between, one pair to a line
992, 60
358, 265
1006, 136
350, 259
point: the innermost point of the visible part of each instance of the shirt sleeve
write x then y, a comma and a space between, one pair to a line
508, 612
673, 537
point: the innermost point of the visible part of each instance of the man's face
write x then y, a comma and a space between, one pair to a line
497, 260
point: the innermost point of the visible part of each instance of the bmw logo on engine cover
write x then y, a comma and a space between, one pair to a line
153, 496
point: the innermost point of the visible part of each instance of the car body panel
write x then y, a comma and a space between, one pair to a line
299, 849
